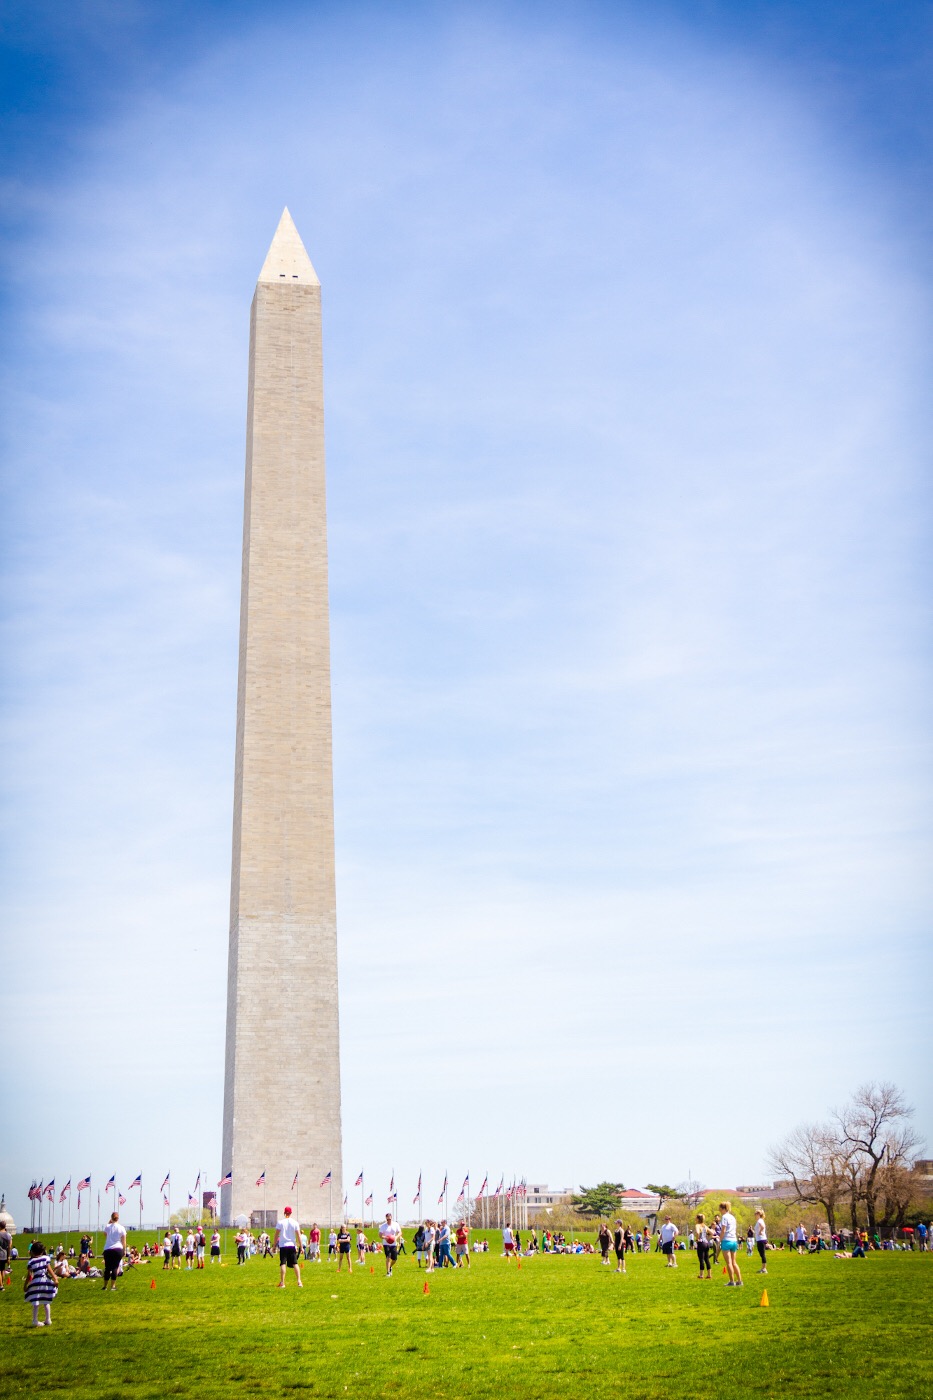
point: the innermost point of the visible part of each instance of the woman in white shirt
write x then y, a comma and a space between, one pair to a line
114, 1250
729, 1244
761, 1240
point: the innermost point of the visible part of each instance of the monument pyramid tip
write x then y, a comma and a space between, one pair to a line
287, 260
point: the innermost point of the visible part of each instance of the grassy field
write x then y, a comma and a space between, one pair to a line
561, 1326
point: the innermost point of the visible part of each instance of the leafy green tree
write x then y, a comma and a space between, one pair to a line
667, 1193
601, 1200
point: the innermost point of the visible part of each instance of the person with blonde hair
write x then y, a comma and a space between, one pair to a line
761, 1240
729, 1244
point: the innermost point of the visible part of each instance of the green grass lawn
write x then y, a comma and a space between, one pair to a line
561, 1326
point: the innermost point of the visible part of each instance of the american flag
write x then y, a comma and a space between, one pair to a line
138, 1182
261, 1181
417, 1196
226, 1180
33, 1193
192, 1200
210, 1200
479, 1193
393, 1197
443, 1190
326, 1180
463, 1188
84, 1184
508, 1193
65, 1191
498, 1188
50, 1190
165, 1182
121, 1199
369, 1200
165, 1200
393, 1194
359, 1180
111, 1184
295, 1182
197, 1184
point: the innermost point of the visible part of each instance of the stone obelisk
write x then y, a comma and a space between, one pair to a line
282, 1081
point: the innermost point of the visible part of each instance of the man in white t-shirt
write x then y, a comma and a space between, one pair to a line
288, 1243
669, 1233
508, 1241
388, 1233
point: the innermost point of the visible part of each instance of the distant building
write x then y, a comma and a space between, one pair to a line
643, 1203
540, 1197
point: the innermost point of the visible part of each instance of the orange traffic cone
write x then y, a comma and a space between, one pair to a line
426, 1288
152, 1283
519, 1263
764, 1299
371, 1269
724, 1269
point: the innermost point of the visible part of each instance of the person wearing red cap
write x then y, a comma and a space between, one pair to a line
288, 1243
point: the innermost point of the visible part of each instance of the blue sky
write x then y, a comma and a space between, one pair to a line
627, 345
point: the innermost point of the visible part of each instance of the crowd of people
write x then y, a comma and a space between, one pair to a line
436, 1244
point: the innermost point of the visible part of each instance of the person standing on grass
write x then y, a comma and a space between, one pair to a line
463, 1245
604, 1239
39, 1283
704, 1245
288, 1243
388, 1234
215, 1247
314, 1243
167, 1251
668, 1234
360, 1246
618, 1242
332, 1244
444, 1256
761, 1240
200, 1245
344, 1242
6, 1254
429, 1234
114, 1250
508, 1240
729, 1243
176, 1248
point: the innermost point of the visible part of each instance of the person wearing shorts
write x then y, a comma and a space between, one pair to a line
215, 1247
463, 1245
508, 1240
288, 1243
729, 1244
314, 1243
343, 1249
388, 1233
669, 1233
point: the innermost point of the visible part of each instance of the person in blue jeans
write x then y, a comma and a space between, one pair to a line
444, 1257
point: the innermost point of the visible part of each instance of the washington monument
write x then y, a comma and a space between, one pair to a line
282, 1079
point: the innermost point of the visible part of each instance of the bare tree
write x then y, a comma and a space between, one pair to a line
874, 1129
816, 1163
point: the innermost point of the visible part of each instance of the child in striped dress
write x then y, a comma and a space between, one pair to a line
40, 1284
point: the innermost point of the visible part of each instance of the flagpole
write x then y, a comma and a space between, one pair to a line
362, 1200
330, 1201
265, 1223
446, 1206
